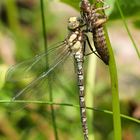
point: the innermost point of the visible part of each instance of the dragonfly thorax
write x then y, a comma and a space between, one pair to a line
77, 47
74, 42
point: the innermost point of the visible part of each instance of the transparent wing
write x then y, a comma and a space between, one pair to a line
34, 67
36, 89
41, 79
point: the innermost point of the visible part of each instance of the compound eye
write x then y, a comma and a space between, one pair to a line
73, 23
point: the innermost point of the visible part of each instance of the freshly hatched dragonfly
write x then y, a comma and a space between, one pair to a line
75, 45
94, 21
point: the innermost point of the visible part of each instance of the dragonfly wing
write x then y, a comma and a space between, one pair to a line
38, 88
34, 67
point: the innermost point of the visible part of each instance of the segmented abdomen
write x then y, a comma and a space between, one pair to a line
100, 44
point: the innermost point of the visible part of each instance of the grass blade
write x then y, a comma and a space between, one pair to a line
69, 105
49, 81
115, 92
127, 29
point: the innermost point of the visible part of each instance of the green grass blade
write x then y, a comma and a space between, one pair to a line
47, 64
115, 92
69, 105
127, 29
43, 24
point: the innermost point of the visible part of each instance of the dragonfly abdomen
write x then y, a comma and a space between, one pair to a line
100, 44
79, 58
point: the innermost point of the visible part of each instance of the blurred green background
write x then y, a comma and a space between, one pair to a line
21, 38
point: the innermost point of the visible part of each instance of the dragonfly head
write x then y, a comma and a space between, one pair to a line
74, 23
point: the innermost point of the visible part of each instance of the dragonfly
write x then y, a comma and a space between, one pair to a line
95, 23
74, 45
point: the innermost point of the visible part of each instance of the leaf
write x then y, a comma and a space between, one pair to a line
137, 23
74, 3
111, 3
129, 8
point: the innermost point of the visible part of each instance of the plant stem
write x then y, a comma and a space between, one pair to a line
115, 92
47, 65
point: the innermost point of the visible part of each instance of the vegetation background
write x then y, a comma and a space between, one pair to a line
21, 38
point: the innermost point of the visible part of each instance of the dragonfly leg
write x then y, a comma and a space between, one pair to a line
92, 51
100, 16
100, 8
84, 48
100, 22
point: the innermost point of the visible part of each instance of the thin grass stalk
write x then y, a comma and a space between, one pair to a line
47, 65
127, 29
69, 105
43, 25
